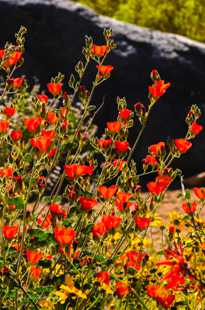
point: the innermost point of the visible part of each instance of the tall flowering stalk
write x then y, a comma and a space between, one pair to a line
85, 243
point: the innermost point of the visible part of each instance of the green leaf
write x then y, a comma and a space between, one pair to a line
17, 201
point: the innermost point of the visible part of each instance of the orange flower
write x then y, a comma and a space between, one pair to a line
134, 259
104, 143
104, 71
182, 145
125, 114
157, 148
189, 208
9, 111
42, 98
16, 135
159, 185
35, 272
142, 222
99, 50
6, 172
150, 160
122, 199
158, 88
196, 128
9, 232
32, 124
119, 163
87, 203
122, 289
107, 192
55, 88
114, 126
57, 209
46, 222
16, 82
64, 235
99, 230
33, 257
161, 295
4, 124
75, 170
51, 117
41, 143
199, 192
63, 112
103, 277
13, 59
121, 146
111, 221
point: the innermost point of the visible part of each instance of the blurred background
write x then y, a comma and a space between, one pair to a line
185, 17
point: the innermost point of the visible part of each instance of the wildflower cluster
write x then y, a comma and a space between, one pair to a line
86, 244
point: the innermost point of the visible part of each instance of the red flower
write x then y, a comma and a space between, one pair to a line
57, 209
6, 172
104, 71
196, 128
35, 272
33, 257
50, 134
64, 235
65, 124
134, 259
2, 53
125, 114
41, 181
114, 126
199, 192
42, 98
158, 88
122, 289
13, 59
16, 82
16, 135
9, 232
157, 148
9, 111
99, 230
51, 117
121, 146
107, 192
4, 124
32, 124
161, 295
55, 88
111, 221
160, 184
150, 160
189, 208
99, 50
41, 143
142, 222
52, 152
104, 143
182, 145
87, 203
103, 277
76, 170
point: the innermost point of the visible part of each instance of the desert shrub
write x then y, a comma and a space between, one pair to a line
185, 17
92, 246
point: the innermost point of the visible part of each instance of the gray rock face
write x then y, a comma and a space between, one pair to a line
56, 30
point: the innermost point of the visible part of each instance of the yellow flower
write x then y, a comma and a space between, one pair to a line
46, 304
62, 296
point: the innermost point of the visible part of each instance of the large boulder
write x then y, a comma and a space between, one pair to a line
56, 30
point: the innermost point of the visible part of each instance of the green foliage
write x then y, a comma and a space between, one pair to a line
185, 17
